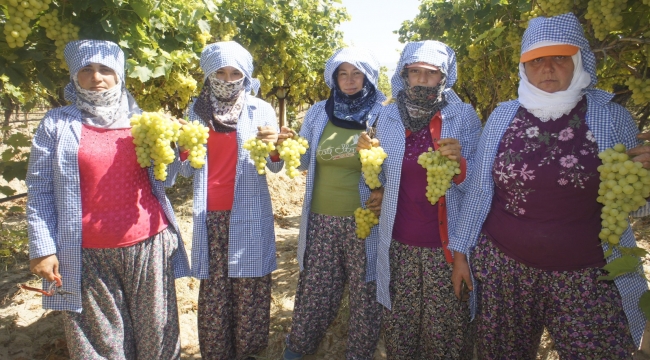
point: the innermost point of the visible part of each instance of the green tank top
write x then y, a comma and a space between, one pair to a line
338, 170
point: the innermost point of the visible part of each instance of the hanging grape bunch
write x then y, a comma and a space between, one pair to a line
371, 161
61, 33
365, 220
153, 134
440, 171
624, 187
20, 13
259, 150
290, 151
193, 136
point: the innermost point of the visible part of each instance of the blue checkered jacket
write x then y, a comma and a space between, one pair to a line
251, 240
611, 124
54, 203
312, 128
459, 121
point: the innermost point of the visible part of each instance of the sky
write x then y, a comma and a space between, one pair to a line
372, 24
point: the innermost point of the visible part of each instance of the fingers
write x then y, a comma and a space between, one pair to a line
643, 136
46, 267
450, 148
364, 141
267, 134
460, 273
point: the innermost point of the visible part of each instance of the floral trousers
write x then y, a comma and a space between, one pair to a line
234, 314
333, 256
129, 303
426, 320
583, 315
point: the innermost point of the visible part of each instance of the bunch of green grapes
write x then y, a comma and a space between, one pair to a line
605, 16
526, 16
181, 85
365, 220
19, 15
153, 134
371, 161
624, 187
61, 33
440, 171
193, 137
555, 7
290, 151
259, 151
640, 89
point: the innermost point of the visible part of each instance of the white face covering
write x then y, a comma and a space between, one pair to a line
550, 106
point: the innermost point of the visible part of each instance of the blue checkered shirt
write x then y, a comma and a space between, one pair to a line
611, 124
459, 121
251, 239
54, 204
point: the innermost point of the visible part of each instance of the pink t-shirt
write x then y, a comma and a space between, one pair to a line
222, 164
118, 206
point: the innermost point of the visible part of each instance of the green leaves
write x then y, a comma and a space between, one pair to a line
644, 304
620, 266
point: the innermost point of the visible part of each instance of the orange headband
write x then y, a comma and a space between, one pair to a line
553, 50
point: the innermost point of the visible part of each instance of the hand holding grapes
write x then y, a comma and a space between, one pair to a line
374, 201
450, 148
268, 134
285, 133
641, 153
365, 142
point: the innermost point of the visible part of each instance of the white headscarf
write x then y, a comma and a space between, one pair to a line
550, 106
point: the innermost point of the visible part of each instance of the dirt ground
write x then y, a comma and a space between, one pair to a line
29, 332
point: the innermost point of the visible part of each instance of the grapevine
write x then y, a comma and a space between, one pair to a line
371, 161
259, 151
153, 134
20, 13
605, 16
193, 136
290, 151
60, 33
440, 171
640, 90
624, 187
555, 7
365, 220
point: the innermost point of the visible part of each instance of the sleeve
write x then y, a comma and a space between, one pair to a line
306, 131
41, 199
469, 139
624, 126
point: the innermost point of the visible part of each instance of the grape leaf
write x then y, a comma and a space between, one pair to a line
620, 266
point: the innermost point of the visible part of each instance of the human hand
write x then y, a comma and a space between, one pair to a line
459, 274
285, 133
46, 267
374, 201
450, 148
641, 153
365, 142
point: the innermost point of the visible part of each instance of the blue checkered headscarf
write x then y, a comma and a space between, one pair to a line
430, 52
80, 53
564, 29
229, 53
361, 59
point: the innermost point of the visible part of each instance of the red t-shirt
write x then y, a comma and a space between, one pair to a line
222, 164
118, 206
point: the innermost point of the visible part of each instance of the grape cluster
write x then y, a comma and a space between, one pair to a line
193, 136
605, 16
61, 33
640, 90
259, 151
555, 7
290, 151
19, 14
153, 134
365, 220
440, 171
371, 161
624, 187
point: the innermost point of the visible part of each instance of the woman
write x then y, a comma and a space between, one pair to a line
329, 253
101, 224
422, 317
233, 246
530, 219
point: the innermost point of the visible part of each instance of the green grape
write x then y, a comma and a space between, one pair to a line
19, 14
640, 90
624, 187
193, 136
371, 161
153, 134
605, 16
290, 151
259, 150
555, 7
60, 33
365, 220
440, 171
